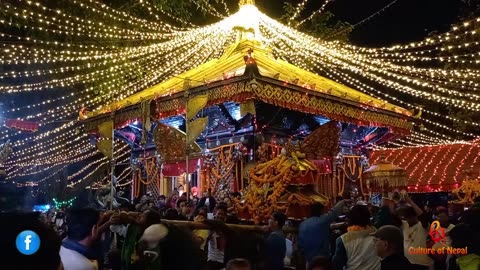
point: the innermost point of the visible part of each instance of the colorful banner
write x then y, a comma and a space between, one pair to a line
105, 147
147, 125
195, 105
105, 129
195, 128
247, 107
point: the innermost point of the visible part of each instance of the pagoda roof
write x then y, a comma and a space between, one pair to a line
276, 81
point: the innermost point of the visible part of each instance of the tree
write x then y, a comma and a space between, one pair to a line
322, 25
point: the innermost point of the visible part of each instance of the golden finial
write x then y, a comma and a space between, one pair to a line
246, 2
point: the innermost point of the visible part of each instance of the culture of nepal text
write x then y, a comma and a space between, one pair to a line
441, 251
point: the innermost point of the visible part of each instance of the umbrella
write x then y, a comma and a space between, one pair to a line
385, 175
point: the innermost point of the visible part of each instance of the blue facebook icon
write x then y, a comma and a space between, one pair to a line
28, 242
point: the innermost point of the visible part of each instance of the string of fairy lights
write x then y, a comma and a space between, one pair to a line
80, 62
344, 75
445, 163
315, 13
298, 9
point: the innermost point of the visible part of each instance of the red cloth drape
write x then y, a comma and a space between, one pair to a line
323, 166
178, 168
22, 125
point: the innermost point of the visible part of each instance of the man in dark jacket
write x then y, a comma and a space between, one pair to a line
389, 246
275, 245
208, 202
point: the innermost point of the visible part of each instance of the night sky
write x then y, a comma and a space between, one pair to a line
402, 22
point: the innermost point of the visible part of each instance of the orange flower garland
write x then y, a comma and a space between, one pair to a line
356, 228
269, 181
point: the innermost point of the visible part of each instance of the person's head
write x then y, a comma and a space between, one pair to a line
257, 220
82, 225
47, 256
221, 213
465, 236
153, 234
188, 210
181, 205
202, 211
44, 218
276, 221
149, 217
316, 209
410, 215
359, 215
238, 264
442, 216
144, 198
200, 217
223, 204
320, 263
161, 199
388, 240
126, 207
171, 214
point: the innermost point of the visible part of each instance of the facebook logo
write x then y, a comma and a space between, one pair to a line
28, 242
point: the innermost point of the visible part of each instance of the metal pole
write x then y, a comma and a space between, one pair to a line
187, 148
112, 188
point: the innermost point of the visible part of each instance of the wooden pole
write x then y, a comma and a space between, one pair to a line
252, 228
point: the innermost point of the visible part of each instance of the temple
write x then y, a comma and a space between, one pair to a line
246, 102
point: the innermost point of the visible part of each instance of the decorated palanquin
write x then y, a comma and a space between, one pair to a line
287, 177
249, 76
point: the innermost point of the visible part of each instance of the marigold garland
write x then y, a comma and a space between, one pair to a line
268, 181
356, 228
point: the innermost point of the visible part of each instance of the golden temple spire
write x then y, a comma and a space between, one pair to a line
247, 20
246, 2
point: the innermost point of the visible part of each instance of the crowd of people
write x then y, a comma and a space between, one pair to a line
149, 235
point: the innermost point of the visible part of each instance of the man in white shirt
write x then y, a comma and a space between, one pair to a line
76, 252
415, 236
217, 243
